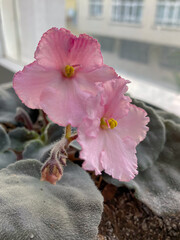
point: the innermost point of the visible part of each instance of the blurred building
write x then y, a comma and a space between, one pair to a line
70, 8
139, 37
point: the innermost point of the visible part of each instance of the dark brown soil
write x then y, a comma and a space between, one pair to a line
125, 217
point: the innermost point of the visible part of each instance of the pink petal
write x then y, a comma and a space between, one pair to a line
86, 51
31, 81
87, 80
54, 47
65, 104
119, 156
107, 151
91, 145
59, 47
116, 104
134, 124
94, 107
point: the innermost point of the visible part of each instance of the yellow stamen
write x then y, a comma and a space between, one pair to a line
112, 123
103, 123
69, 71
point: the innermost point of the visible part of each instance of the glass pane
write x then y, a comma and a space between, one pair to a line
95, 8
160, 13
127, 11
138, 15
121, 11
171, 11
178, 17
167, 13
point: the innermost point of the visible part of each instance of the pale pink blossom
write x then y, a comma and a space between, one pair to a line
62, 76
110, 133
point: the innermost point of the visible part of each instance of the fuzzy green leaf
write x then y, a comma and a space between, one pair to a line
8, 104
149, 149
6, 155
37, 210
20, 136
54, 132
40, 149
168, 116
4, 140
37, 149
7, 158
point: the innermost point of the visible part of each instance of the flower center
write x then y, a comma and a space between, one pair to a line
69, 71
111, 123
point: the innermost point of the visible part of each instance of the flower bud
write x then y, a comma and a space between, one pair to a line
52, 171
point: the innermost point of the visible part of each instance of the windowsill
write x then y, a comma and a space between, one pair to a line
165, 28
156, 95
95, 18
126, 24
10, 65
6, 85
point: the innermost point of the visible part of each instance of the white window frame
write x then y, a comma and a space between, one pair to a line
127, 18
24, 22
165, 20
95, 4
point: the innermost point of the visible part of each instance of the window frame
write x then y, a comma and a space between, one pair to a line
130, 11
165, 20
95, 4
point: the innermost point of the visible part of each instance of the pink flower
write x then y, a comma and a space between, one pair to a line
110, 133
62, 76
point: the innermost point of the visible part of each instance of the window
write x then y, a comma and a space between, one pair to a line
95, 8
168, 13
170, 57
129, 11
107, 43
134, 51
